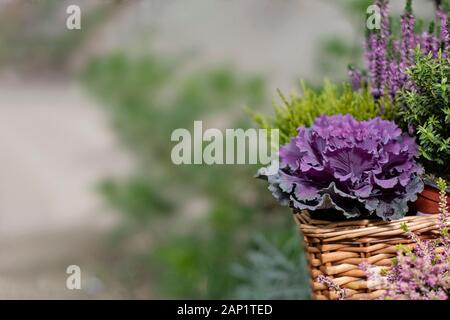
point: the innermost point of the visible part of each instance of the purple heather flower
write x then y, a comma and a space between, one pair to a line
368, 52
395, 48
378, 56
356, 78
372, 58
444, 36
331, 285
393, 79
447, 36
443, 217
384, 13
408, 41
380, 68
441, 295
432, 280
422, 273
429, 43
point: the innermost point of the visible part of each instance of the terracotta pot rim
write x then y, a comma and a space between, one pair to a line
433, 184
422, 196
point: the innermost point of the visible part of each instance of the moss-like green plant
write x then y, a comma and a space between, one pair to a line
301, 110
426, 107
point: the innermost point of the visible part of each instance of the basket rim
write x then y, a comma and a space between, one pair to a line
365, 230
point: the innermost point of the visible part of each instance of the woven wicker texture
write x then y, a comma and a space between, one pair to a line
335, 249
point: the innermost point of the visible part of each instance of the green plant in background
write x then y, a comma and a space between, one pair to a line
200, 219
198, 263
302, 110
136, 196
427, 109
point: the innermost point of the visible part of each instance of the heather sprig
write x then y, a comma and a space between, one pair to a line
332, 286
429, 42
443, 18
357, 79
443, 209
408, 39
378, 43
421, 273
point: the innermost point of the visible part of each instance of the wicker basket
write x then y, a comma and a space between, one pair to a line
335, 249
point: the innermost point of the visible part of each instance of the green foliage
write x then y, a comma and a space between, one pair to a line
427, 109
198, 264
136, 197
271, 270
332, 99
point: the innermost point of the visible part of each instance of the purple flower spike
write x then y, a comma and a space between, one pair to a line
378, 52
444, 36
408, 42
356, 78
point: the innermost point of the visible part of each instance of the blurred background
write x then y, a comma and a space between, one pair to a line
85, 123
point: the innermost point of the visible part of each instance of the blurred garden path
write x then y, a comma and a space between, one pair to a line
55, 146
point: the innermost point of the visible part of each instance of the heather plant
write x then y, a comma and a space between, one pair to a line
302, 110
388, 55
427, 110
357, 168
423, 272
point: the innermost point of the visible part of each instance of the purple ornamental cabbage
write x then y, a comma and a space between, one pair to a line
356, 167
